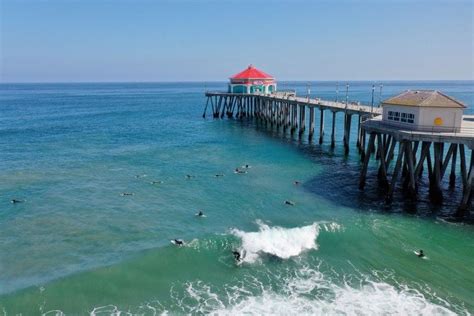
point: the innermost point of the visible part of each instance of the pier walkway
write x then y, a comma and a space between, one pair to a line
284, 109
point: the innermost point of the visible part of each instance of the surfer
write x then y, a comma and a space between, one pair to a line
237, 170
178, 242
288, 202
189, 176
219, 175
420, 254
14, 201
237, 255
126, 193
296, 182
200, 214
156, 182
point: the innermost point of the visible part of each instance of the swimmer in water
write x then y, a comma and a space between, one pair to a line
237, 255
420, 254
126, 194
288, 202
15, 201
178, 242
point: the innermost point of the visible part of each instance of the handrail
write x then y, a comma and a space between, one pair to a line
421, 129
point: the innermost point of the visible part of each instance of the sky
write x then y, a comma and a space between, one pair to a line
210, 40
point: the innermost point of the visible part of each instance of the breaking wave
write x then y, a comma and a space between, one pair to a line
304, 291
281, 242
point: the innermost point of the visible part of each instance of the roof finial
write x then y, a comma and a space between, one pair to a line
250, 66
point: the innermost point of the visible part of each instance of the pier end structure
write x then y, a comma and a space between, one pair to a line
430, 132
252, 80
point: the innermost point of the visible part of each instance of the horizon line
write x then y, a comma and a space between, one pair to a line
225, 81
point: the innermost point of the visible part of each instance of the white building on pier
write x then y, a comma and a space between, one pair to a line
424, 110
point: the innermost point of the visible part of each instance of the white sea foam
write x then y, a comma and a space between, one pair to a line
308, 292
280, 242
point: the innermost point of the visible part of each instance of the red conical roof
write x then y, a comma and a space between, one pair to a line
251, 73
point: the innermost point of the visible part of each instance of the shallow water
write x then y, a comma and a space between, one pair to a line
76, 245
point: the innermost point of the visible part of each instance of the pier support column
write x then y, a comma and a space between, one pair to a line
205, 108
311, 122
452, 176
347, 132
396, 172
359, 121
294, 114
382, 173
435, 181
411, 170
363, 172
467, 176
302, 119
321, 126
333, 130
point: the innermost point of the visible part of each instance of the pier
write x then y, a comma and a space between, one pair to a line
285, 110
402, 156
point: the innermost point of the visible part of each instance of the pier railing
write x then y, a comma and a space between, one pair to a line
466, 129
354, 107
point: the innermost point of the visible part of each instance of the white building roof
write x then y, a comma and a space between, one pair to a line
424, 98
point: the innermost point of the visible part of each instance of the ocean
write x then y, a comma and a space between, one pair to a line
77, 245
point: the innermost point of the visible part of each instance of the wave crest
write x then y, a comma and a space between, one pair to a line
281, 242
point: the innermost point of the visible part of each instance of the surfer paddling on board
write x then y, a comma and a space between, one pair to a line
178, 242
238, 171
420, 254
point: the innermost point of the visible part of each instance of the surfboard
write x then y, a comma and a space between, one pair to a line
418, 255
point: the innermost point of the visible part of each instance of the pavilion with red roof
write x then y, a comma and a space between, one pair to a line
252, 80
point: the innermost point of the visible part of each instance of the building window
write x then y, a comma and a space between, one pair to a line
401, 117
404, 118
390, 115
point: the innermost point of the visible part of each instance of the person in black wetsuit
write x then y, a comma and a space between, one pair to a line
236, 254
178, 242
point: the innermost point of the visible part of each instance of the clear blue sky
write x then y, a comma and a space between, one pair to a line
145, 40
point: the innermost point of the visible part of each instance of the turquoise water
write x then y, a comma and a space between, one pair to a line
77, 246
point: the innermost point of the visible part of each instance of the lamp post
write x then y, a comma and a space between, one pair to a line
372, 103
347, 94
380, 95
337, 91
308, 89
